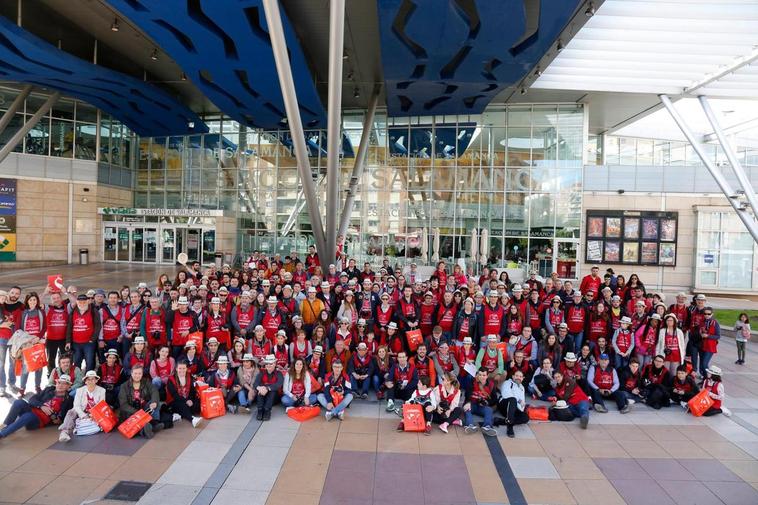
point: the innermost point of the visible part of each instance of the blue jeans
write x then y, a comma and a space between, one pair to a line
25, 378
288, 401
19, 416
580, 409
693, 352
376, 381
324, 401
479, 410
11, 367
578, 338
157, 382
84, 352
361, 386
705, 361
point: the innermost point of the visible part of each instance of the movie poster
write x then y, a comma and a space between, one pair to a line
613, 227
594, 250
649, 252
667, 254
612, 251
631, 228
668, 230
595, 227
631, 252
650, 229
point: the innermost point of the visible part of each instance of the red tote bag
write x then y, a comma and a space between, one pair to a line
414, 338
134, 423
104, 416
537, 413
303, 413
413, 417
212, 403
700, 403
35, 357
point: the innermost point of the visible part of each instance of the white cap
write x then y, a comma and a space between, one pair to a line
312, 289
247, 294
517, 288
570, 356
714, 370
491, 338
111, 352
139, 340
626, 320
183, 300
270, 359
701, 296
142, 285
325, 285
215, 299
467, 340
248, 357
259, 327
577, 293
222, 359
362, 345
65, 378
361, 322
272, 299
212, 340
282, 332
265, 282
318, 348
91, 374
655, 316
562, 326
392, 324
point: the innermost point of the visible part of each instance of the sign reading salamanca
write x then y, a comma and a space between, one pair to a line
131, 211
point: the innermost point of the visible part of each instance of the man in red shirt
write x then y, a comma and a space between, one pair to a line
83, 332
592, 282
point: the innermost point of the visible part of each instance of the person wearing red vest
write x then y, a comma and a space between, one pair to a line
426, 314
267, 385
480, 400
445, 361
226, 380
56, 321
401, 381
181, 395
83, 331
32, 321
407, 310
217, 325
445, 316
591, 282
424, 364
182, 322
715, 388
336, 384
576, 317
679, 309
630, 379
492, 317
113, 317
271, 319
134, 313
361, 369
111, 377
696, 319
568, 390
604, 384
47, 407
623, 343
710, 333
533, 312
153, 325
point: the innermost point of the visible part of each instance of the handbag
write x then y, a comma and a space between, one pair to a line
303, 413
413, 417
35, 357
414, 338
700, 403
537, 413
103, 415
86, 426
134, 423
212, 403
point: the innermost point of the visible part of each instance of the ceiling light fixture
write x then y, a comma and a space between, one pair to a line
559, 47
537, 73
154, 55
523, 91
356, 93
183, 76
114, 25
590, 11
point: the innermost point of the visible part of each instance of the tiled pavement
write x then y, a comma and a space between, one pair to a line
661, 457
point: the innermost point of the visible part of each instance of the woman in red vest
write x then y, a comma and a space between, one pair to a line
33, 323
161, 368
83, 331
181, 396
111, 377
56, 321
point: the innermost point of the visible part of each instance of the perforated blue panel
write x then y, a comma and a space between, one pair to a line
142, 107
223, 46
455, 56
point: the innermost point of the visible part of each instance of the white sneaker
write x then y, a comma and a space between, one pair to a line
443, 427
390, 405
684, 405
2, 391
328, 415
631, 401
196, 421
726, 412
341, 415
176, 418
288, 409
64, 437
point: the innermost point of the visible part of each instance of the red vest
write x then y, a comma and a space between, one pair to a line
403, 375
133, 320
298, 387
490, 362
56, 320
575, 319
493, 319
83, 328
155, 323
244, 318
464, 357
426, 320
33, 325
446, 363
447, 317
271, 323
182, 322
282, 356
598, 328
604, 378
555, 317
110, 375
297, 353
111, 323
715, 390
623, 340
482, 392
260, 351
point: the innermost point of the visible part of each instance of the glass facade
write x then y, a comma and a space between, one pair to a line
69, 130
656, 152
515, 171
725, 251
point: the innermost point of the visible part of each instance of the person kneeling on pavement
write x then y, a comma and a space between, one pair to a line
604, 383
683, 387
139, 393
401, 382
479, 401
568, 390
78, 417
267, 385
423, 395
512, 404
48, 407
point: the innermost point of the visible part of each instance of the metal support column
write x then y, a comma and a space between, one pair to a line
15, 106
287, 86
359, 164
731, 196
747, 187
21, 133
334, 121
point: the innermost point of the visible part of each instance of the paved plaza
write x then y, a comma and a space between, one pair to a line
647, 456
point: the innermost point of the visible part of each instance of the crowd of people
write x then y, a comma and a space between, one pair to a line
472, 350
